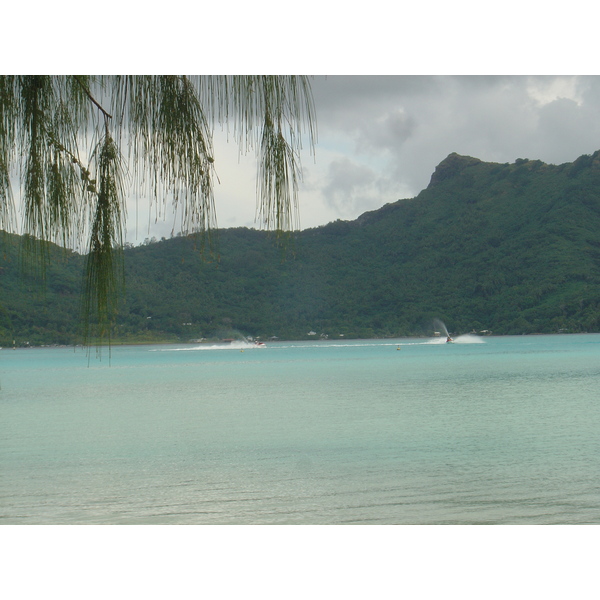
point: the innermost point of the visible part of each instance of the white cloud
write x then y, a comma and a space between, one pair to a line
348, 185
545, 90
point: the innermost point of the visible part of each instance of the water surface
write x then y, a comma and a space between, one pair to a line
496, 430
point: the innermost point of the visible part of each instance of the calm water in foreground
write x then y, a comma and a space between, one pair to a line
484, 431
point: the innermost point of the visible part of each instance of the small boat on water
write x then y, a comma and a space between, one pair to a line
449, 340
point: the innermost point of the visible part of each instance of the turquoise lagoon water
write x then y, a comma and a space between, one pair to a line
496, 430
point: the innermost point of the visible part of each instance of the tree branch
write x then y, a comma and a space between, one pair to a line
94, 101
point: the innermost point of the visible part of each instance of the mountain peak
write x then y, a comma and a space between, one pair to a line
451, 166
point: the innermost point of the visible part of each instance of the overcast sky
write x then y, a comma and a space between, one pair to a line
381, 137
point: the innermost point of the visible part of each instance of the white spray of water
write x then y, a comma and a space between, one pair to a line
466, 338
439, 325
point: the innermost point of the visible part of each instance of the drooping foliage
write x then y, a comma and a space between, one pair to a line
79, 144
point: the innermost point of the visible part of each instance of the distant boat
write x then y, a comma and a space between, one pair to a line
260, 344
449, 340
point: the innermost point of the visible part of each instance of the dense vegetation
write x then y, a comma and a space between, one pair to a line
511, 248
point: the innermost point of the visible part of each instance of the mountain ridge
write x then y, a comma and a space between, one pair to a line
512, 248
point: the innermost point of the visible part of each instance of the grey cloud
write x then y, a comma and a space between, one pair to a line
387, 133
566, 130
381, 137
415, 122
349, 185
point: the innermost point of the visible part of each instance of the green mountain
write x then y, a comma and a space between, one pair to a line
39, 292
510, 248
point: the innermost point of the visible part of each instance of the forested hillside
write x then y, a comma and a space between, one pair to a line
39, 293
511, 248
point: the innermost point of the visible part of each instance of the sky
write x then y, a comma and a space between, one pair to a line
394, 92
381, 137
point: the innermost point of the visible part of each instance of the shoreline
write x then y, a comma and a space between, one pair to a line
121, 343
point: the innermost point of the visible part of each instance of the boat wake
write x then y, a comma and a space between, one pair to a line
241, 345
467, 338
235, 345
